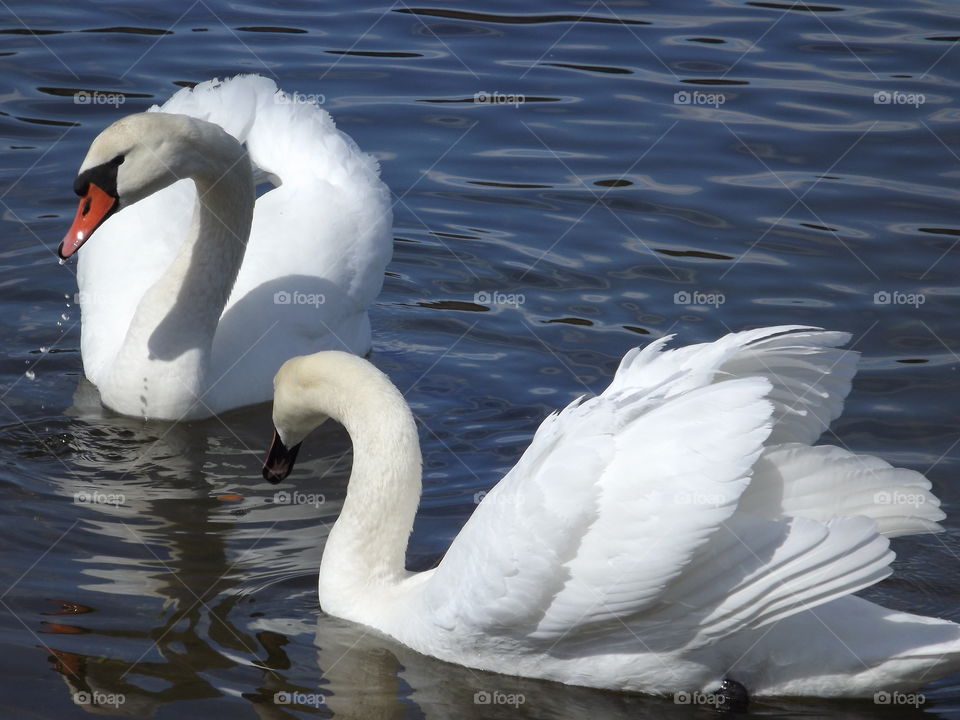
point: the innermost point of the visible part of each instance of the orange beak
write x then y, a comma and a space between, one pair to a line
95, 207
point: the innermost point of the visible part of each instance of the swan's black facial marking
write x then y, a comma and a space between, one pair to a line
280, 460
103, 176
97, 188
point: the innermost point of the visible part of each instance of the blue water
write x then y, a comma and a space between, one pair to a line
571, 180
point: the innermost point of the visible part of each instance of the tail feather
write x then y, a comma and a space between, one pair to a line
850, 648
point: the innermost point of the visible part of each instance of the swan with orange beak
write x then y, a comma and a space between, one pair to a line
182, 294
97, 188
108, 183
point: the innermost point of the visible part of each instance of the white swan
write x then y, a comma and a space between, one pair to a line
676, 531
183, 317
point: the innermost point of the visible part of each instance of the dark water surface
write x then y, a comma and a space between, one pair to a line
670, 167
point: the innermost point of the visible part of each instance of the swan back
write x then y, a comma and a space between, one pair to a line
278, 130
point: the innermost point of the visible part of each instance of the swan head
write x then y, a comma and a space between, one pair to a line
310, 389
131, 159
295, 413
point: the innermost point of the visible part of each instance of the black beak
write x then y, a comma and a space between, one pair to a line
280, 460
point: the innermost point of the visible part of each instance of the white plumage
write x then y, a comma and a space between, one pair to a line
673, 531
320, 240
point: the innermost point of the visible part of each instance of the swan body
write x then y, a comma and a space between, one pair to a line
193, 291
674, 531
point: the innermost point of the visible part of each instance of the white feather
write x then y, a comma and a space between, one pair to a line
651, 538
324, 232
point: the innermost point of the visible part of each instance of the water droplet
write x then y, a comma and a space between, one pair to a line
61, 261
44, 349
64, 316
30, 374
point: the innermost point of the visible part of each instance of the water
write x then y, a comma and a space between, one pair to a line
569, 182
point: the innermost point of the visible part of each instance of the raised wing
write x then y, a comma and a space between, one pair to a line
624, 509
810, 375
606, 507
756, 571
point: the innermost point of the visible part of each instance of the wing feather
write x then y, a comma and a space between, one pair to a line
597, 518
826, 482
658, 505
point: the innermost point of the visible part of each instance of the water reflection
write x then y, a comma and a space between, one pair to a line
213, 567
194, 532
364, 675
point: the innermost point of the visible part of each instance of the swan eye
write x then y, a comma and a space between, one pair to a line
118, 160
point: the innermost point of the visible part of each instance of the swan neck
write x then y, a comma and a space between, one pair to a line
170, 338
209, 260
367, 546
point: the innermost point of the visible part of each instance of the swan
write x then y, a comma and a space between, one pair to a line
194, 292
675, 534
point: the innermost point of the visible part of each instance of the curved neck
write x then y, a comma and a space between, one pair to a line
366, 548
167, 347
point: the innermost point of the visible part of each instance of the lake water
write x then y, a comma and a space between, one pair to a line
571, 180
